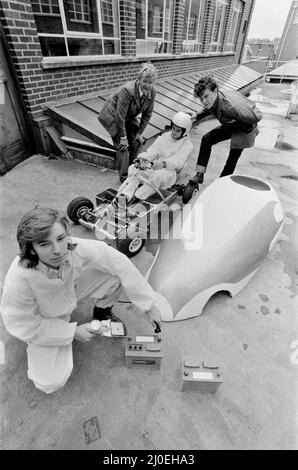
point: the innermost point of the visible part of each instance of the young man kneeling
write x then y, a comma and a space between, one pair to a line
44, 283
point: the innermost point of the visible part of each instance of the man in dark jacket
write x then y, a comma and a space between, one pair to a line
119, 116
238, 117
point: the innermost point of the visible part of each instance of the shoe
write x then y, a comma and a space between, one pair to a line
107, 314
197, 179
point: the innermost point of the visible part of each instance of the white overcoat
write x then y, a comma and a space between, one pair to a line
36, 306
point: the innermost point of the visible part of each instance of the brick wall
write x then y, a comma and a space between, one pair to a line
210, 10
179, 12
40, 82
227, 26
127, 13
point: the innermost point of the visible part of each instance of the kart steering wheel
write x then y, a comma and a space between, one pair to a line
137, 164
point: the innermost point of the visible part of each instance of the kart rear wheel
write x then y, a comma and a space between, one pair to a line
130, 246
189, 191
78, 207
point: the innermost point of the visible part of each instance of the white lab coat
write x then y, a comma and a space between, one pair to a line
174, 152
36, 308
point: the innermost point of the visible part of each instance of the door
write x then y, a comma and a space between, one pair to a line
14, 136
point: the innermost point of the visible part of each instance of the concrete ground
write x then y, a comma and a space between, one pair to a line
253, 336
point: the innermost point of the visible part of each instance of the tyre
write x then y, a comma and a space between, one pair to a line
78, 207
189, 191
130, 246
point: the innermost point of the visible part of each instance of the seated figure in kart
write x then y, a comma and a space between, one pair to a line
161, 163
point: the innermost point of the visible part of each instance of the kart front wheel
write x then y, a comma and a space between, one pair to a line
189, 191
130, 246
78, 207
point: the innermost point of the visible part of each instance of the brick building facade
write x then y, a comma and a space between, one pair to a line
217, 39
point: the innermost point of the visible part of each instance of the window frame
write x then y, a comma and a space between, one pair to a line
231, 45
69, 34
162, 39
195, 42
217, 44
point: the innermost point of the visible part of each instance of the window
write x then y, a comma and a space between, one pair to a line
77, 27
107, 11
46, 7
154, 26
79, 11
235, 25
218, 25
194, 25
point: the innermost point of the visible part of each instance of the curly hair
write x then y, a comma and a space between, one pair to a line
35, 225
206, 82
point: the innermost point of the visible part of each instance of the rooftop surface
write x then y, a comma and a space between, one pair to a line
253, 336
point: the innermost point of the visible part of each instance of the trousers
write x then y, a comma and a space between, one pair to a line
50, 367
162, 178
126, 157
216, 135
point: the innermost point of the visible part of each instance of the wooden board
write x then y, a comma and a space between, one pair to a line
94, 132
164, 92
183, 93
164, 111
94, 104
174, 106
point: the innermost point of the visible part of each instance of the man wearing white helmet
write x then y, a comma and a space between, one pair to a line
165, 158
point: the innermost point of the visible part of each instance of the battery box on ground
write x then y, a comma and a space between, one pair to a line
144, 351
198, 375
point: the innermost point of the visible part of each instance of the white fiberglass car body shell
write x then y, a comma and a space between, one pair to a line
236, 222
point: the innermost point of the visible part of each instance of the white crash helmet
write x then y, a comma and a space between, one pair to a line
182, 120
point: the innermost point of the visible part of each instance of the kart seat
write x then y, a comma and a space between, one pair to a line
155, 198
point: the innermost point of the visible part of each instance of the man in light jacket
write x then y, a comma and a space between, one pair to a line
238, 117
44, 283
119, 116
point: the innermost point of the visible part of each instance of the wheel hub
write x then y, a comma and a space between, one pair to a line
135, 244
82, 211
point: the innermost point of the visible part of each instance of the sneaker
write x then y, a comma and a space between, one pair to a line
197, 179
107, 314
